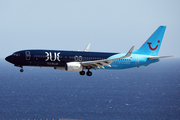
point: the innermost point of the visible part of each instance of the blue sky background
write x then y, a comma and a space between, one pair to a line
109, 25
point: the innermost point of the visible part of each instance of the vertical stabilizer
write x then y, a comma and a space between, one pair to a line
153, 44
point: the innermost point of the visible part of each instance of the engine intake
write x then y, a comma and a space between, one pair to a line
74, 66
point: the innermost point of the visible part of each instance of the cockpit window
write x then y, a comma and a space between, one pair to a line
16, 54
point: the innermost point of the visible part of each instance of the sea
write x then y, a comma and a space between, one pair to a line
145, 93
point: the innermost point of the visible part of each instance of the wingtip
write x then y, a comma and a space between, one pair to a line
132, 48
130, 51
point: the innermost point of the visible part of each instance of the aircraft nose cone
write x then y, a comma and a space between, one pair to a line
9, 59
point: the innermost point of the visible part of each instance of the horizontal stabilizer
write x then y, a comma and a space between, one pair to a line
158, 57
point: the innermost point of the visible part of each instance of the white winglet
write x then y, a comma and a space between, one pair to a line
129, 52
87, 48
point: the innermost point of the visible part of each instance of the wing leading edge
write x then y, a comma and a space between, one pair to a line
100, 63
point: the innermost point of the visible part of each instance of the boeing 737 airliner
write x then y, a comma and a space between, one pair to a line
78, 61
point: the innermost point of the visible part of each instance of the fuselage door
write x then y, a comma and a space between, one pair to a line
28, 55
137, 61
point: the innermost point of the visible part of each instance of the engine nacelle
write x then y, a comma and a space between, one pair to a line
74, 66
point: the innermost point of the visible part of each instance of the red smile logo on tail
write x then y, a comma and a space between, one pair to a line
149, 43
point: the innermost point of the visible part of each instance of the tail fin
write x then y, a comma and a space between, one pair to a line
153, 44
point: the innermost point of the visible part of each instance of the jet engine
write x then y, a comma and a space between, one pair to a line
74, 66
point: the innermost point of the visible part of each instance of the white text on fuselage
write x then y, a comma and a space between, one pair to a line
52, 63
52, 58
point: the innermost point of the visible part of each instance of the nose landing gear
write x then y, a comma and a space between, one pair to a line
21, 70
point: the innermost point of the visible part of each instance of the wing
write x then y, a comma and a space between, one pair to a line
100, 63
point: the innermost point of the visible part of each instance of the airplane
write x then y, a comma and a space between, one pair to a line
78, 61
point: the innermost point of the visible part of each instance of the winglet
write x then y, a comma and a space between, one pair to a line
87, 48
129, 52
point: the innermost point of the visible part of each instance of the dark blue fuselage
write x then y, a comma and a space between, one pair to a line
53, 58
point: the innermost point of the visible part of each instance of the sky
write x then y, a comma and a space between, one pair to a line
109, 25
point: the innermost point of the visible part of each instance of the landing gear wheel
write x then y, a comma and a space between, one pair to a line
82, 73
89, 73
21, 70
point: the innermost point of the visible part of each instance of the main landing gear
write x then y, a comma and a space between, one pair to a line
82, 72
88, 73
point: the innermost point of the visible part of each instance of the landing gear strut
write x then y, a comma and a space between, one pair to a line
21, 70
